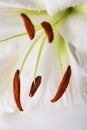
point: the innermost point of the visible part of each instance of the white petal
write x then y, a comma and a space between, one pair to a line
54, 6
10, 23
14, 46
10, 3
74, 29
82, 56
27, 4
39, 4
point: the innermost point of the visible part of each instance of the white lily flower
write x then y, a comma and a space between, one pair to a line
63, 60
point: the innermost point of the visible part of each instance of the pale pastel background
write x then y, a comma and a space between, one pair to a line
67, 119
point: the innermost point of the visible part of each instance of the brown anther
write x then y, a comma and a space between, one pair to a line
63, 85
29, 26
35, 85
16, 90
48, 30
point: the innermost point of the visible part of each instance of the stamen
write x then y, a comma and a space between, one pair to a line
29, 26
38, 56
16, 90
48, 30
63, 85
35, 85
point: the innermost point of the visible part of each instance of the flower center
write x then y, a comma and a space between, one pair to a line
50, 31
50, 27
